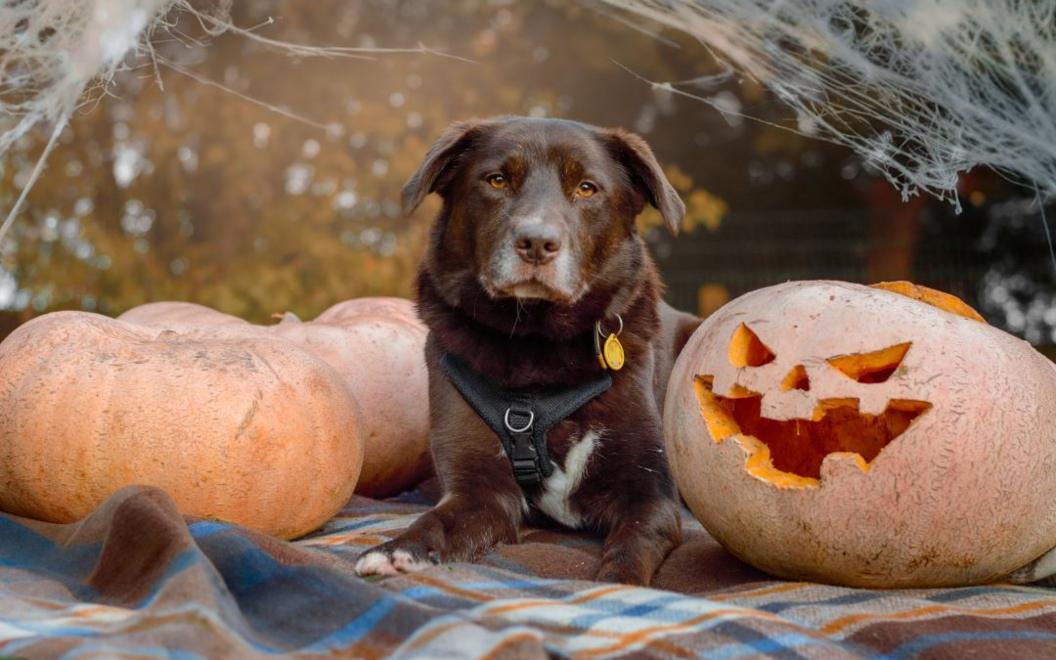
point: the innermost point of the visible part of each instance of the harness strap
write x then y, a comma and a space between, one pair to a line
520, 418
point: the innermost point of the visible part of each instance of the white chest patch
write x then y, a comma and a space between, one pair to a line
559, 486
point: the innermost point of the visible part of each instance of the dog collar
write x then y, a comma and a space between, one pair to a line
521, 418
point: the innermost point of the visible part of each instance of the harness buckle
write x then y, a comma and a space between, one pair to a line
522, 451
524, 459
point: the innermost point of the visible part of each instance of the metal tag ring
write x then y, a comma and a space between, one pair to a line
531, 420
618, 332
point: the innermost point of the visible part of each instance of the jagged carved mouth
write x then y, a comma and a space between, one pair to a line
790, 452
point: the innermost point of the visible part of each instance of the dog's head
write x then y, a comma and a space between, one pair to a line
538, 209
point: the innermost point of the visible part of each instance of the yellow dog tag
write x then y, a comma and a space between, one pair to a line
611, 355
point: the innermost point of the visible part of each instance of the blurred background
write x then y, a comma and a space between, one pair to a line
247, 179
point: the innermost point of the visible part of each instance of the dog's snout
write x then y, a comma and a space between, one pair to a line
538, 244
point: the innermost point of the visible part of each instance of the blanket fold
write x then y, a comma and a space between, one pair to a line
137, 578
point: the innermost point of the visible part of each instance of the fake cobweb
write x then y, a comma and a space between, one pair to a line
56, 55
920, 89
52, 51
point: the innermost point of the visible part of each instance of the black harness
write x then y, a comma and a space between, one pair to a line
521, 418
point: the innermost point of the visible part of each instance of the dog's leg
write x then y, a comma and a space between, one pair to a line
639, 540
459, 528
630, 494
482, 503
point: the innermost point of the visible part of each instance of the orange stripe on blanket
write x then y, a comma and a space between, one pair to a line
622, 640
433, 633
761, 591
506, 643
448, 587
430, 635
644, 634
845, 622
627, 639
545, 602
89, 611
365, 540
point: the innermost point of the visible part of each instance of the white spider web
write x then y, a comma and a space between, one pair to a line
920, 89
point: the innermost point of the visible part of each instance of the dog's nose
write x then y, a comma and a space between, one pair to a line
538, 244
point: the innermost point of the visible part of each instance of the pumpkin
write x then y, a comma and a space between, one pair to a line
379, 306
376, 344
186, 314
250, 430
875, 437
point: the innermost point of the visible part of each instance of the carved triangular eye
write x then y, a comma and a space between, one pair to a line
875, 367
746, 349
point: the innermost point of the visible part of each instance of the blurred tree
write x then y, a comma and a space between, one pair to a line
176, 188
239, 177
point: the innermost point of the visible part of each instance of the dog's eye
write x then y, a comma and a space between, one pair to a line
586, 189
497, 181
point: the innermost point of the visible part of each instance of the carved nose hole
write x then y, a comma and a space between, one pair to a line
796, 379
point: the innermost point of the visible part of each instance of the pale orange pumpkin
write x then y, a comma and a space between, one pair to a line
376, 306
250, 430
187, 314
378, 347
865, 436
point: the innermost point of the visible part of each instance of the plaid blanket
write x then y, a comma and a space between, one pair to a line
137, 579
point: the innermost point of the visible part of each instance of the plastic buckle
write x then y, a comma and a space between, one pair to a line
522, 455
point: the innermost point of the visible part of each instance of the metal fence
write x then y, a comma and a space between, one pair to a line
754, 250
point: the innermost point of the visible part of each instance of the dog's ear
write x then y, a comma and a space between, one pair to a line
635, 155
430, 176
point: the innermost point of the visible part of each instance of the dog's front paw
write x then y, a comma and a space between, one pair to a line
391, 559
622, 572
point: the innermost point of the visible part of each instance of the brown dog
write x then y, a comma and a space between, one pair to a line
535, 245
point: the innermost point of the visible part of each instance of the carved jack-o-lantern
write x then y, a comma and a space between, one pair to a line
849, 434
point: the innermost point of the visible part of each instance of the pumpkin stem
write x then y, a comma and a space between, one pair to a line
286, 317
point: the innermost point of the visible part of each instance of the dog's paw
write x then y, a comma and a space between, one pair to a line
622, 573
389, 561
